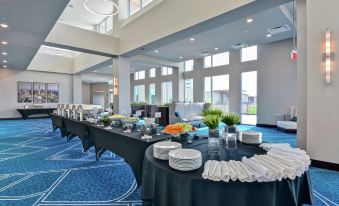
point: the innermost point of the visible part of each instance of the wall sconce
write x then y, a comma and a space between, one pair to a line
328, 57
115, 86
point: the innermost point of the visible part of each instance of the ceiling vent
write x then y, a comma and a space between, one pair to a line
279, 29
204, 54
239, 46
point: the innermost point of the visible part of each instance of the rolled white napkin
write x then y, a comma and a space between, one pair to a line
274, 174
277, 168
241, 175
257, 176
250, 175
262, 170
206, 169
233, 174
225, 174
296, 168
291, 171
217, 172
268, 146
302, 160
211, 171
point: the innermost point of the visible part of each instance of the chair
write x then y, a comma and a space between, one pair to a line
289, 124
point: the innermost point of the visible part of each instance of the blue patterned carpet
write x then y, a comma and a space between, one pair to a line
38, 167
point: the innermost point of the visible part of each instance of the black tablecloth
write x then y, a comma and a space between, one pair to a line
80, 129
162, 185
129, 146
34, 111
58, 123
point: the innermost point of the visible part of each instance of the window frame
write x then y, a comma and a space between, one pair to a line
150, 72
141, 7
169, 71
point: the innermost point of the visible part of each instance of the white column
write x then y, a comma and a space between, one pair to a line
77, 89
121, 75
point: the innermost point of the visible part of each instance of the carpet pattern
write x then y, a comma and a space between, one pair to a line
38, 167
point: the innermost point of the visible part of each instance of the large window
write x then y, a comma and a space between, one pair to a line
207, 61
217, 60
152, 97
220, 59
189, 65
217, 91
249, 98
105, 25
139, 93
188, 90
166, 71
166, 93
139, 75
136, 5
152, 73
249, 53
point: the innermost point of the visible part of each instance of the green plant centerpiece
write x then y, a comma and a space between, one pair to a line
105, 120
230, 119
212, 122
214, 112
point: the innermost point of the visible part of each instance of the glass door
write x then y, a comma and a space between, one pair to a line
249, 98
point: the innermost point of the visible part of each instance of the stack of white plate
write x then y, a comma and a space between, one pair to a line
251, 137
161, 149
185, 159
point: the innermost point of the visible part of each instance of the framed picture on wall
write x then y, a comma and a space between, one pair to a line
52, 93
39, 92
24, 92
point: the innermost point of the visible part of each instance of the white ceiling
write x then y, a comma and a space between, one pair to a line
58, 51
76, 15
224, 36
96, 78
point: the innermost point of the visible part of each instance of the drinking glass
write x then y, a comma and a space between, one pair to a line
231, 141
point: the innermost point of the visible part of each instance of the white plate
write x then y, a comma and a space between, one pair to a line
185, 154
161, 149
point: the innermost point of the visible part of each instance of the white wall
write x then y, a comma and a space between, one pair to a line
321, 100
8, 88
86, 93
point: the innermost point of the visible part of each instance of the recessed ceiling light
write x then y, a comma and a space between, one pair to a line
95, 71
268, 35
216, 48
4, 42
4, 61
192, 39
4, 66
3, 25
245, 31
180, 57
249, 20
156, 51
110, 66
4, 53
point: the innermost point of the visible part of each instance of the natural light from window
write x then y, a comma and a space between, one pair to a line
166, 71
166, 93
139, 75
139, 93
136, 5
249, 54
152, 73
189, 65
152, 97
189, 90
221, 59
207, 61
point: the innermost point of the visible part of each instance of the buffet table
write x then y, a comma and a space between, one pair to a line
130, 146
34, 111
80, 129
162, 185
58, 123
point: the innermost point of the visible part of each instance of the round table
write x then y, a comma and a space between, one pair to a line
162, 185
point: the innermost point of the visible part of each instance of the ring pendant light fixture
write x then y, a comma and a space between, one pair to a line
115, 9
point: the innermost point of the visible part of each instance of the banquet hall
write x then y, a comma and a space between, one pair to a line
169, 103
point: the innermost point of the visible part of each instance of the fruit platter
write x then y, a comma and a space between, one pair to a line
178, 129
